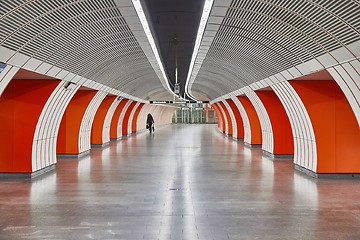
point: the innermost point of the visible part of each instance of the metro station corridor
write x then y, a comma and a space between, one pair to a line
182, 182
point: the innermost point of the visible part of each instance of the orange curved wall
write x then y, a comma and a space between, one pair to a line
221, 123
126, 118
281, 128
238, 118
99, 119
68, 136
114, 121
136, 115
21, 105
335, 127
253, 120
227, 115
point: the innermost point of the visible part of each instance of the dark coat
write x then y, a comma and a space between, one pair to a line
149, 119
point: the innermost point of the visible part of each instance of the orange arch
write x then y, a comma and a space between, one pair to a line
335, 127
238, 119
134, 120
68, 135
220, 116
254, 121
21, 105
281, 128
114, 121
126, 118
228, 117
99, 119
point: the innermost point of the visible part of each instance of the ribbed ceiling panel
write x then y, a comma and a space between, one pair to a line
260, 38
88, 38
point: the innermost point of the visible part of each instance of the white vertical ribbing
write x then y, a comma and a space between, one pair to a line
168, 114
87, 120
141, 121
305, 153
233, 120
107, 121
247, 129
225, 118
266, 128
165, 115
121, 118
162, 115
46, 131
131, 117
347, 76
156, 113
6, 75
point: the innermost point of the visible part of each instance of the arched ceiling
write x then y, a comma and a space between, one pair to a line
89, 38
247, 41
244, 41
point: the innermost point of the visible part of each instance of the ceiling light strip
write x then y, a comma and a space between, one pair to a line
204, 18
145, 25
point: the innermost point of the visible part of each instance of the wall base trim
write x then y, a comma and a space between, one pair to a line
278, 156
40, 172
115, 139
238, 139
327, 175
100, 145
87, 152
252, 145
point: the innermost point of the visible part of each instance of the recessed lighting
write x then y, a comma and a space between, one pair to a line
145, 25
204, 18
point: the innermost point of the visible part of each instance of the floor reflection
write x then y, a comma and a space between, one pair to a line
182, 182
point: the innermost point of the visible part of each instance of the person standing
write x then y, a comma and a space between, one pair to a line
150, 123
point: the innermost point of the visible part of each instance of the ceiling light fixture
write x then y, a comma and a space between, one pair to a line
204, 18
145, 25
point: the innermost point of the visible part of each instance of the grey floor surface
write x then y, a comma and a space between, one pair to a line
182, 182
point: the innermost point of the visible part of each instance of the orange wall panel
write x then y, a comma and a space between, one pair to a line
126, 118
238, 118
99, 119
253, 120
221, 122
335, 127
114, 121
228, 117
21, 105
282, 133
69, 130
136, 115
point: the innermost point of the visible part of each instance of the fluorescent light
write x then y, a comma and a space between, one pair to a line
204, 18
145, 25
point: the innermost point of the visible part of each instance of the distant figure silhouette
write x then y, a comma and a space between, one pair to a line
150, 123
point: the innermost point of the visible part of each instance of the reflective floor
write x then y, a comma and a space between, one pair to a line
182, 182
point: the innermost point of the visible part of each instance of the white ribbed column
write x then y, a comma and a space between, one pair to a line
6, 75
266, 128
347, 76
131, 117
121, 118
107, 122
304, 138
88, 118
247, 129
232, 116
225, 118
46, 132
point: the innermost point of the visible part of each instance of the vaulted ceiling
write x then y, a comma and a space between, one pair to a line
244, 41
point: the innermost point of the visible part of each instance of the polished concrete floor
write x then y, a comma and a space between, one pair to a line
182, 182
